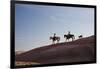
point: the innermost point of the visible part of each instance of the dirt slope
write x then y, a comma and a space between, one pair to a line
67, 52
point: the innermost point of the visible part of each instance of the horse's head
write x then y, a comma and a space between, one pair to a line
50, 38
64, 36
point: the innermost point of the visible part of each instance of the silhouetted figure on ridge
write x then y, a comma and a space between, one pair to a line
55, 38
69, 36
80, 36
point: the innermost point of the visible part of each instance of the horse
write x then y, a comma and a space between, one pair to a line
80, 36
68, 36
56, 38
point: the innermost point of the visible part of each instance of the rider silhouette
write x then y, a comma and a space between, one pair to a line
68, 32
54, 35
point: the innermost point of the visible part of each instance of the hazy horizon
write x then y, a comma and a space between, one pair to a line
34, 24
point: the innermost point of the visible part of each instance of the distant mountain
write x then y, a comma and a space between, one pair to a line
80, 50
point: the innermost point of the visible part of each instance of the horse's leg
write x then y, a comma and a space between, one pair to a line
53, 42
72, 38
57, 41
66, 40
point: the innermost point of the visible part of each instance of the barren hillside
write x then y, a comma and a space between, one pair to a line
80, 50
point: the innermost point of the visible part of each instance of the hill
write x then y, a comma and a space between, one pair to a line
18, 52
80, 50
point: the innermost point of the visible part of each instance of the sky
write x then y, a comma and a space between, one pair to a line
34, 24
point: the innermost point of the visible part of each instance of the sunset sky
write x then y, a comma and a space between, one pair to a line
34, 24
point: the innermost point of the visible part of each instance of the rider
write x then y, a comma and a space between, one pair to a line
68, 32
54, 35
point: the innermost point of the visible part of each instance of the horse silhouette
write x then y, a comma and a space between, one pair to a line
68, 36
55, 38
80, 36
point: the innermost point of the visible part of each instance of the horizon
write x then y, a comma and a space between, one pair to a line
34, 24
22, 51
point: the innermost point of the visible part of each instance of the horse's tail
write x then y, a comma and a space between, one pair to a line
64, 36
